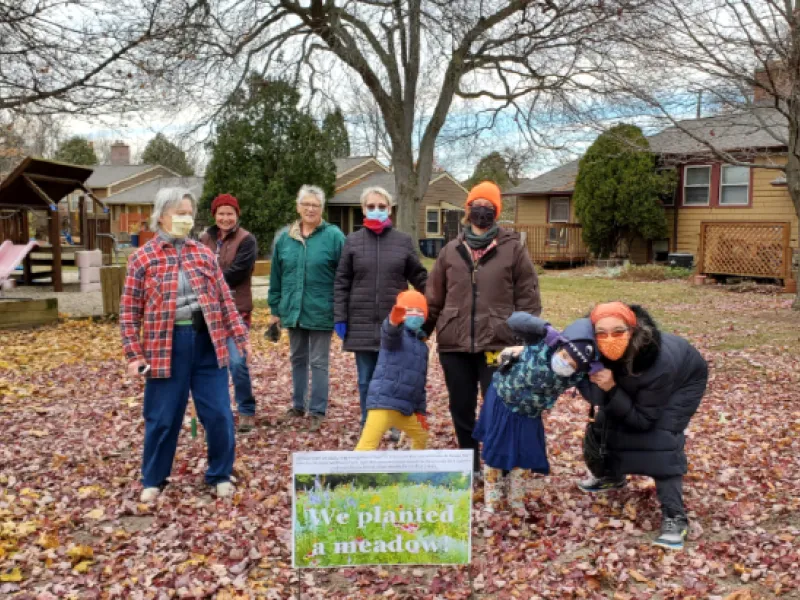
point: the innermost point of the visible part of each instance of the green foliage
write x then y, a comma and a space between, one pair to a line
618, 191
160, 151
267, 148
77, 151
493, 167
652, 273
334, 129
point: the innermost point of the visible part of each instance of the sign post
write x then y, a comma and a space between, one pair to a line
381, 508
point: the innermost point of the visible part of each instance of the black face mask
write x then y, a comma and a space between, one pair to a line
481, 216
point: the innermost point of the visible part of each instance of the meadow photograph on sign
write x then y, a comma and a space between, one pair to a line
382, 518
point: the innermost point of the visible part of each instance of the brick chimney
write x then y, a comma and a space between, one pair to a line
769, 79
120, 153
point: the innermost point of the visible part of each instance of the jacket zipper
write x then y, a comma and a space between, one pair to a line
377, 282
473, 266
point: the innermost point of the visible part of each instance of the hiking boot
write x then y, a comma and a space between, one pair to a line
246, 423
292, 413
595, 485
149, 495
519, 484
316, 422
673, 532
224, 489
495, 489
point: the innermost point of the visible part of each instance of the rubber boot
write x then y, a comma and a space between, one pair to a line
519, 486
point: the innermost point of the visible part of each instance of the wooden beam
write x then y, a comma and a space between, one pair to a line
55, 246
51, 179
39, 192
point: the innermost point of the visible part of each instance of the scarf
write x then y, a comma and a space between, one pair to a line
377, 227
475, 241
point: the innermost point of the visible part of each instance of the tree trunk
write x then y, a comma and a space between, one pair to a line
407, 195
793, 173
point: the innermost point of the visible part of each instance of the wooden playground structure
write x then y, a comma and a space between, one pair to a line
35, 187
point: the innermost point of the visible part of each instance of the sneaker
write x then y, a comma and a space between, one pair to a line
673, 532
149, 495
292, 413
246, 423
316, 422
595, 485
394, 435
224, 489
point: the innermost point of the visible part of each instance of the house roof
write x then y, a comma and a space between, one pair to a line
106, 175
560, 179
145, 193
343, 165
757, 128
38, 183
349, 194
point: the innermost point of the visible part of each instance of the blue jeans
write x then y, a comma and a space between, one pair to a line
365, 365
193, 369
310, 348
242, 388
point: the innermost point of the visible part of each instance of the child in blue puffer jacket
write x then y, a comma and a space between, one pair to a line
529, 381
396, 396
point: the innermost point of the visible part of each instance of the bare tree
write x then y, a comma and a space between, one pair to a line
740, 56
77, 56
495, 52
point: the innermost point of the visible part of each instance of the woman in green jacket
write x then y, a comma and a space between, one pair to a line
301, 299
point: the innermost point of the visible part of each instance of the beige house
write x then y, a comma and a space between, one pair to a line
736, 220
442, 203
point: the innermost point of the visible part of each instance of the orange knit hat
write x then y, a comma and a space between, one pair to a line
413, 299
488, 191
614, 309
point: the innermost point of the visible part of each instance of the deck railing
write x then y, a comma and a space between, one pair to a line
553, 243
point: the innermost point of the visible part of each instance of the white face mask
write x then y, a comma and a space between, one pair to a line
181, 225
560, 366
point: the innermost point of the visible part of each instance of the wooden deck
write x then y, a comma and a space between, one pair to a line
553, 244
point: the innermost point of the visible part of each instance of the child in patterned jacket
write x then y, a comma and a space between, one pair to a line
529, 381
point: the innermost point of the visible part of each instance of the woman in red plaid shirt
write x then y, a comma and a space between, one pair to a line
176, 314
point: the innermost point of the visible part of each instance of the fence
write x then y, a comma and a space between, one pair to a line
750, 249
562, 243
14, 226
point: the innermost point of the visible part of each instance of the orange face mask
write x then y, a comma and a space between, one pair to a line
614, 347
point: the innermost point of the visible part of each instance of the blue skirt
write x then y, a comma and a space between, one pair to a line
510, 440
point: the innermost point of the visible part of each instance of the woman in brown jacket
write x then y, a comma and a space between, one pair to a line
479, 279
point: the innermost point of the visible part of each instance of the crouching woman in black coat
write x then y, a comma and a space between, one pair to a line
651, 387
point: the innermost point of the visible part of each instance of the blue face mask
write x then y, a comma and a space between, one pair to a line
378, 215
414, 322
561, 366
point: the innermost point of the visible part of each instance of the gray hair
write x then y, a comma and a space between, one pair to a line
376, 190
166, 199
311, 190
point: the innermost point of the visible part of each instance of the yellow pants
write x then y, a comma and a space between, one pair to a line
379, 421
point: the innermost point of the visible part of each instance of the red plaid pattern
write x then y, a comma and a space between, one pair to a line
150, 296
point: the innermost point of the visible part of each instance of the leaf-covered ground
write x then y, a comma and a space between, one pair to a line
71, 435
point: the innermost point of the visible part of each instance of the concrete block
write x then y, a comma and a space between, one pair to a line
90, 287
89, 258
89, 274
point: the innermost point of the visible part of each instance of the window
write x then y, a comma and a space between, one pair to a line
336, 215
660, 250
432, 221
734, 185
557, 236
559, 210
696, 186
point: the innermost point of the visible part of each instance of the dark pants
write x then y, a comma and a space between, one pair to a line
194, 369
365, 365
242, 387
463, 373
670, 494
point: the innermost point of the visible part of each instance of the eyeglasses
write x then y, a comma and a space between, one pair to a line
309, 206
616, 333
377, 207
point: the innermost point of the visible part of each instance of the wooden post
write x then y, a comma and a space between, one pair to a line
112, 281
82, 218
701, 250
787, 252
27, 268
55, 244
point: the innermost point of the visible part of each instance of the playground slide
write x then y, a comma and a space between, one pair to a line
11, 256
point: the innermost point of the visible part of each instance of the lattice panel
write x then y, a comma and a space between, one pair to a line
746, 249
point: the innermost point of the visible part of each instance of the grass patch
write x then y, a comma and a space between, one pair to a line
652, 273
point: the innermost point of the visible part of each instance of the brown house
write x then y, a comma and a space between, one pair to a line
736, 220
355, 174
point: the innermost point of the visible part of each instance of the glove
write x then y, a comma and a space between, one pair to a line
552, 337
528, 328
397, 316
273, 333
341, 329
